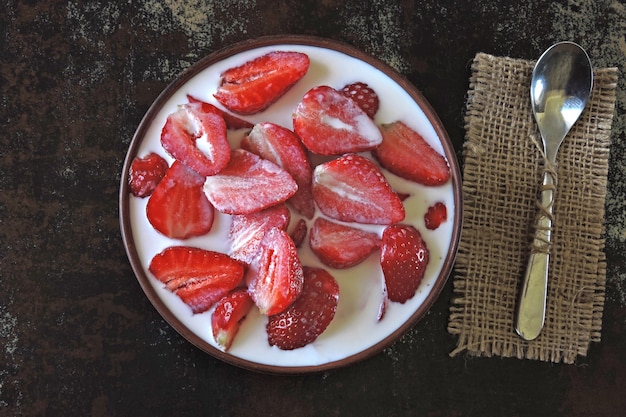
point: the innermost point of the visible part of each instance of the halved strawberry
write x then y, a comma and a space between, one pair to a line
364, 96
247, 230
403, 258
178, 207
248, 184
329, 123
145, 173
199, 277
351, 188
255, 85
309, 316
281, 146
275, 278
340, 246
232, 122
195, 134
228, 315
405, 153
435, 215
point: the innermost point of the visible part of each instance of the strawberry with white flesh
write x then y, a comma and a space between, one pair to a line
340, 246
281, 146
309, 316
145, 174
228, 315
404, 258
275, 277
364, 96
232, 122
247, 230
199, 277
248, 184
351, 188
255, 85
329, 123
405, 153
195, 134
178, 207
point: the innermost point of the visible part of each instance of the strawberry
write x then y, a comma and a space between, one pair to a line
298, 234
329, 123
232, 122
364, 96
248, 184
435, 215
247, 230
351, 188
404, 258
195, 134
178, 207
255, 85
405, 153
309, 316
199, 277
145, 173
275, 279
281, 146
228, 315
340, 246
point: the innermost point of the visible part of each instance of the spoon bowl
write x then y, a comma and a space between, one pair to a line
560, 88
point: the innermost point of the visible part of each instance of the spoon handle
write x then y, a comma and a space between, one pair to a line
531, 307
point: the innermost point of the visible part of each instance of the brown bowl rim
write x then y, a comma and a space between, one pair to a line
143, 279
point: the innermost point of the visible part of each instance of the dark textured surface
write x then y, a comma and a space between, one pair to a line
78, 335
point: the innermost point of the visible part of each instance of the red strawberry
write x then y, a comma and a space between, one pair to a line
341, 246
364, 96
404, 258
178, 207
195, 134
298, 234
255, 85
436, 214
248, 184
405, 153
281, 146
275, 279
199, 277
247, 230
232, 122
329, 123
227, 316
309, 316
351, 188
145, 173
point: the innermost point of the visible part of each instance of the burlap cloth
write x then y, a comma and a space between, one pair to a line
502, 173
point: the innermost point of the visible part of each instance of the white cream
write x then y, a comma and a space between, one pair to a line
355, 327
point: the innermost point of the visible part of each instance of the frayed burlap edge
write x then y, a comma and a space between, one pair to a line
501, 174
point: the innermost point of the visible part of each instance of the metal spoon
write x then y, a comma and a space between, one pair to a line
560, 87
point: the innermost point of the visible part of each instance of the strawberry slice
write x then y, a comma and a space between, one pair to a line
199, 277
275, 278
232, 122
248, 184
435, 215
309, 316
255, 85
340, 246
351, 188
247, 230
364, 96
298, 233
404, 258
329, 123
228, 315
195, 134
145, 174
405, 153
281, 146
178, 207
